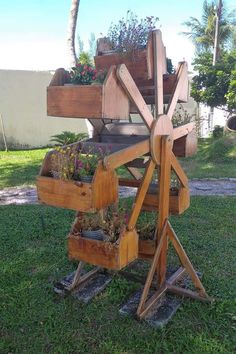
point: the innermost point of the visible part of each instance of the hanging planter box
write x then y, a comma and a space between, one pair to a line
81, 196
107, 100
139, 62
146, 248
179, 201
104, 254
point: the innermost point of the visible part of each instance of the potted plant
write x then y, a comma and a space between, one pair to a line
74, 179
90, 94
103, 240
128, 42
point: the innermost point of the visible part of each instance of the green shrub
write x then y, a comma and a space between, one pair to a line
67, 137
217, 131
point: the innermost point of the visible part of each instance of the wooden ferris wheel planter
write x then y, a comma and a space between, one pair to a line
159, 144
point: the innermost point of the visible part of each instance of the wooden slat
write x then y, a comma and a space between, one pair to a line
141, 306
186, 145
74, 101
137, 205
174, 277
115, 101
181, 78
135, 173
185, 260
134, 94
187, 293
164, 203
121, 157
152, 301
158, 71
179, 171
183, 130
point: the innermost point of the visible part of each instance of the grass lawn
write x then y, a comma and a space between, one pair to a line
20, 167
35, 320
214, 159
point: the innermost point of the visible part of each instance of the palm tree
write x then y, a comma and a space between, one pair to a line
202, 33
71, 31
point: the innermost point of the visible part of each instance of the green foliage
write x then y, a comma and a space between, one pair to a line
217, 131
35, 320
20, 167
214, 85
131, 33
85, 58
170, 67
222, 149
202, 32
231, 95
67, 137
215, 158
83, 74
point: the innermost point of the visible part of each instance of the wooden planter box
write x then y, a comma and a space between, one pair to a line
139, 62
87, 101
105, 254
146, 248
75, 195
179, 201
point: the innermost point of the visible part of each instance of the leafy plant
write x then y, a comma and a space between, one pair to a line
111, 223
217, 131
85, 58
215, 85
130, 33
67, 137
83, 74
146, 225
72, 163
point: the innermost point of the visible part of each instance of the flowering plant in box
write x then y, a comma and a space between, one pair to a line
130, 33
71, 163
83, 74
110, 224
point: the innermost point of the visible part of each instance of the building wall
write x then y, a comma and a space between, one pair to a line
23, 110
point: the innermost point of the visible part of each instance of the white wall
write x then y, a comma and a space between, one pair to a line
24, 112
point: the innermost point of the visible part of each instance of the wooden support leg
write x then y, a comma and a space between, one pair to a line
141, 195
164, 205
81, 279
134, 173
142, 309
185, 261
77, 276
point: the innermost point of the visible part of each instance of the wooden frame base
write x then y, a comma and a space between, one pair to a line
168, 285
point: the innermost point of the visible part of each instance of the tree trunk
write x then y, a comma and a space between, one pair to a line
71, 31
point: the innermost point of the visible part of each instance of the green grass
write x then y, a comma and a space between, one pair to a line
215, 158
35, 320
20, 167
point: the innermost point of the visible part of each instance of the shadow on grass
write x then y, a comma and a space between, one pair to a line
15, 174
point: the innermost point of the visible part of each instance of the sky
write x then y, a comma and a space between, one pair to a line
33, 32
